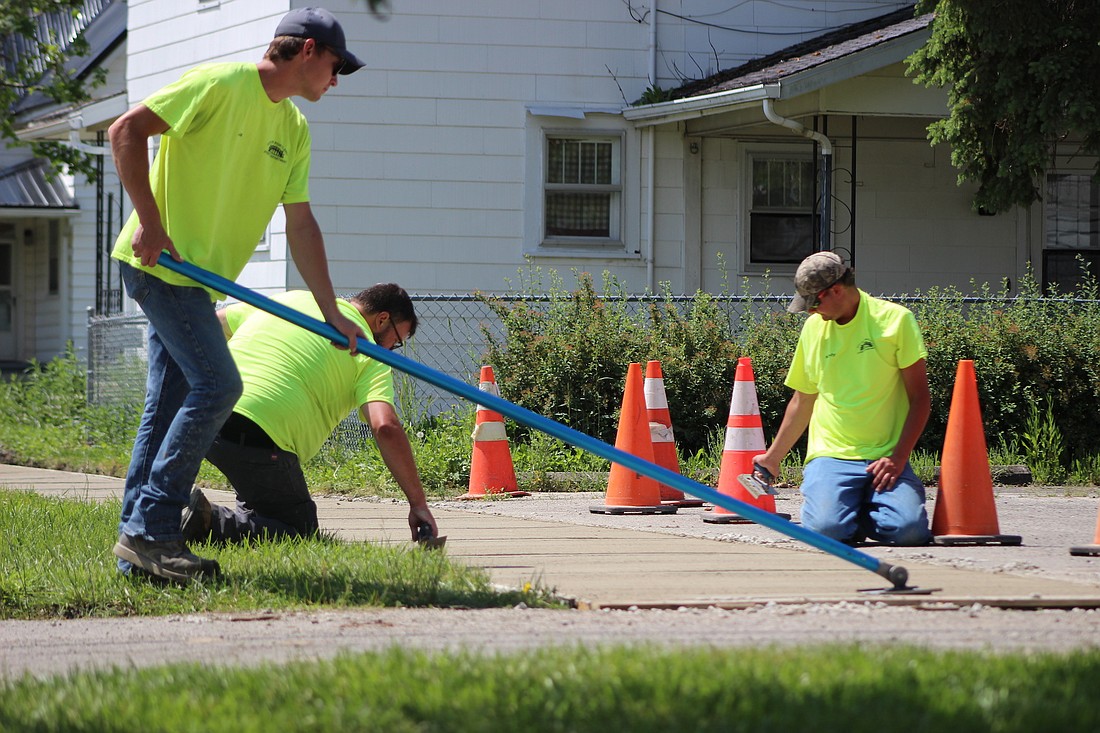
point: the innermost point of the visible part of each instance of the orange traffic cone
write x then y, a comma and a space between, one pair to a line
660, 432
744, 439
629, 492
1089, 550
491, 470
965, 513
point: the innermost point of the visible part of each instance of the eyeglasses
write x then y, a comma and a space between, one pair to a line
398, 343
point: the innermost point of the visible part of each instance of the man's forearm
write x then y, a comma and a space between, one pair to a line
129, 137
307, 248
397, 454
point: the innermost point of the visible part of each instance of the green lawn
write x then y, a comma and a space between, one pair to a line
58, 563
613, 690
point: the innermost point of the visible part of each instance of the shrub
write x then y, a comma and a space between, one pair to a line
564, 355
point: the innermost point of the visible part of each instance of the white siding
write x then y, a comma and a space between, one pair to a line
421, 159
914, 226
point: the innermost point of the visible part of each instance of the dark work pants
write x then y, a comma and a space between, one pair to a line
272, 497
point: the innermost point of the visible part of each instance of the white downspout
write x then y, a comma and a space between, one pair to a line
651, 163
769, 112
827, 166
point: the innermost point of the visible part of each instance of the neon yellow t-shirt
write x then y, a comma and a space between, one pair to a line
229, 157
855, 371
297, 385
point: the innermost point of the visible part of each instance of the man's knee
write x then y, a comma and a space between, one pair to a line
836, 528
914, 533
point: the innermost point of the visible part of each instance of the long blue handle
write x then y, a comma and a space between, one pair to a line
894, 573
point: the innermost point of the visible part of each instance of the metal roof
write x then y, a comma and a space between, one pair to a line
32, 185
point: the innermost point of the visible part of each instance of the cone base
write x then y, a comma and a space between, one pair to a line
738, 519
684, 503
492, 494
612, 509
1085, 550
952, 540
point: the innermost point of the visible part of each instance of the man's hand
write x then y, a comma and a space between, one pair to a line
885, 472
765, 461
419, 515
349, 328
148, 244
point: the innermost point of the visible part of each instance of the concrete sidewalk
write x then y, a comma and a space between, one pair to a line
616, 562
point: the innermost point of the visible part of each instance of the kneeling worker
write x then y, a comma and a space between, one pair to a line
296, 389
860, 385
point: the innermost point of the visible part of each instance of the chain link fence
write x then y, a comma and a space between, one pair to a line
450, 339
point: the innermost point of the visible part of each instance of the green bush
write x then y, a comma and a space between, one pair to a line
1030, 353
564, 354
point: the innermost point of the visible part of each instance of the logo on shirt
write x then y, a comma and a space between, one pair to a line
276, 151
867, 344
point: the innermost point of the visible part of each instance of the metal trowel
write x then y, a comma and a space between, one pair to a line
759, 482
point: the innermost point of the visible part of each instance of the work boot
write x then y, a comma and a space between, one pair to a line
196, 519
170, 560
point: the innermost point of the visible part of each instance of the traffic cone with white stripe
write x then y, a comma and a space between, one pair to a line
660, 432
744, 440
629, 492
491, 469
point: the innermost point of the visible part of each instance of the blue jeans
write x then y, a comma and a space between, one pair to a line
192, 386
840, 502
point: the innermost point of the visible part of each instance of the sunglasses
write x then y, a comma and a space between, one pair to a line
815, 301
338, 65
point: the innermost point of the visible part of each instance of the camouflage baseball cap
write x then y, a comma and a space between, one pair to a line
820, 271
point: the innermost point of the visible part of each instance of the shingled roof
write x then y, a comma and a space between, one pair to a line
817, 51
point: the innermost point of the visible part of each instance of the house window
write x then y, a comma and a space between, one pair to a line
1071, 211
782, 223
582, 190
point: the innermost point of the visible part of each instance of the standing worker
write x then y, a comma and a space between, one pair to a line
296, 389
860, 385
233, 146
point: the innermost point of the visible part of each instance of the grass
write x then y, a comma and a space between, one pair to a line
58, 564
847, 689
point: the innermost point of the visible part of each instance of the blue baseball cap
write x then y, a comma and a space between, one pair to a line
322, 26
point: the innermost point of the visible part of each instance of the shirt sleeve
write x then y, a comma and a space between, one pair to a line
911, 348
297, 186
181, 103
237, 314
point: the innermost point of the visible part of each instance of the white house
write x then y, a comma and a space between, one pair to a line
485, 135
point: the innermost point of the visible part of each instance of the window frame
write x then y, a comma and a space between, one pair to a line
751, 153
1091, 250
615, 241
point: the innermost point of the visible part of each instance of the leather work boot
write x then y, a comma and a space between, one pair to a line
170, 560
